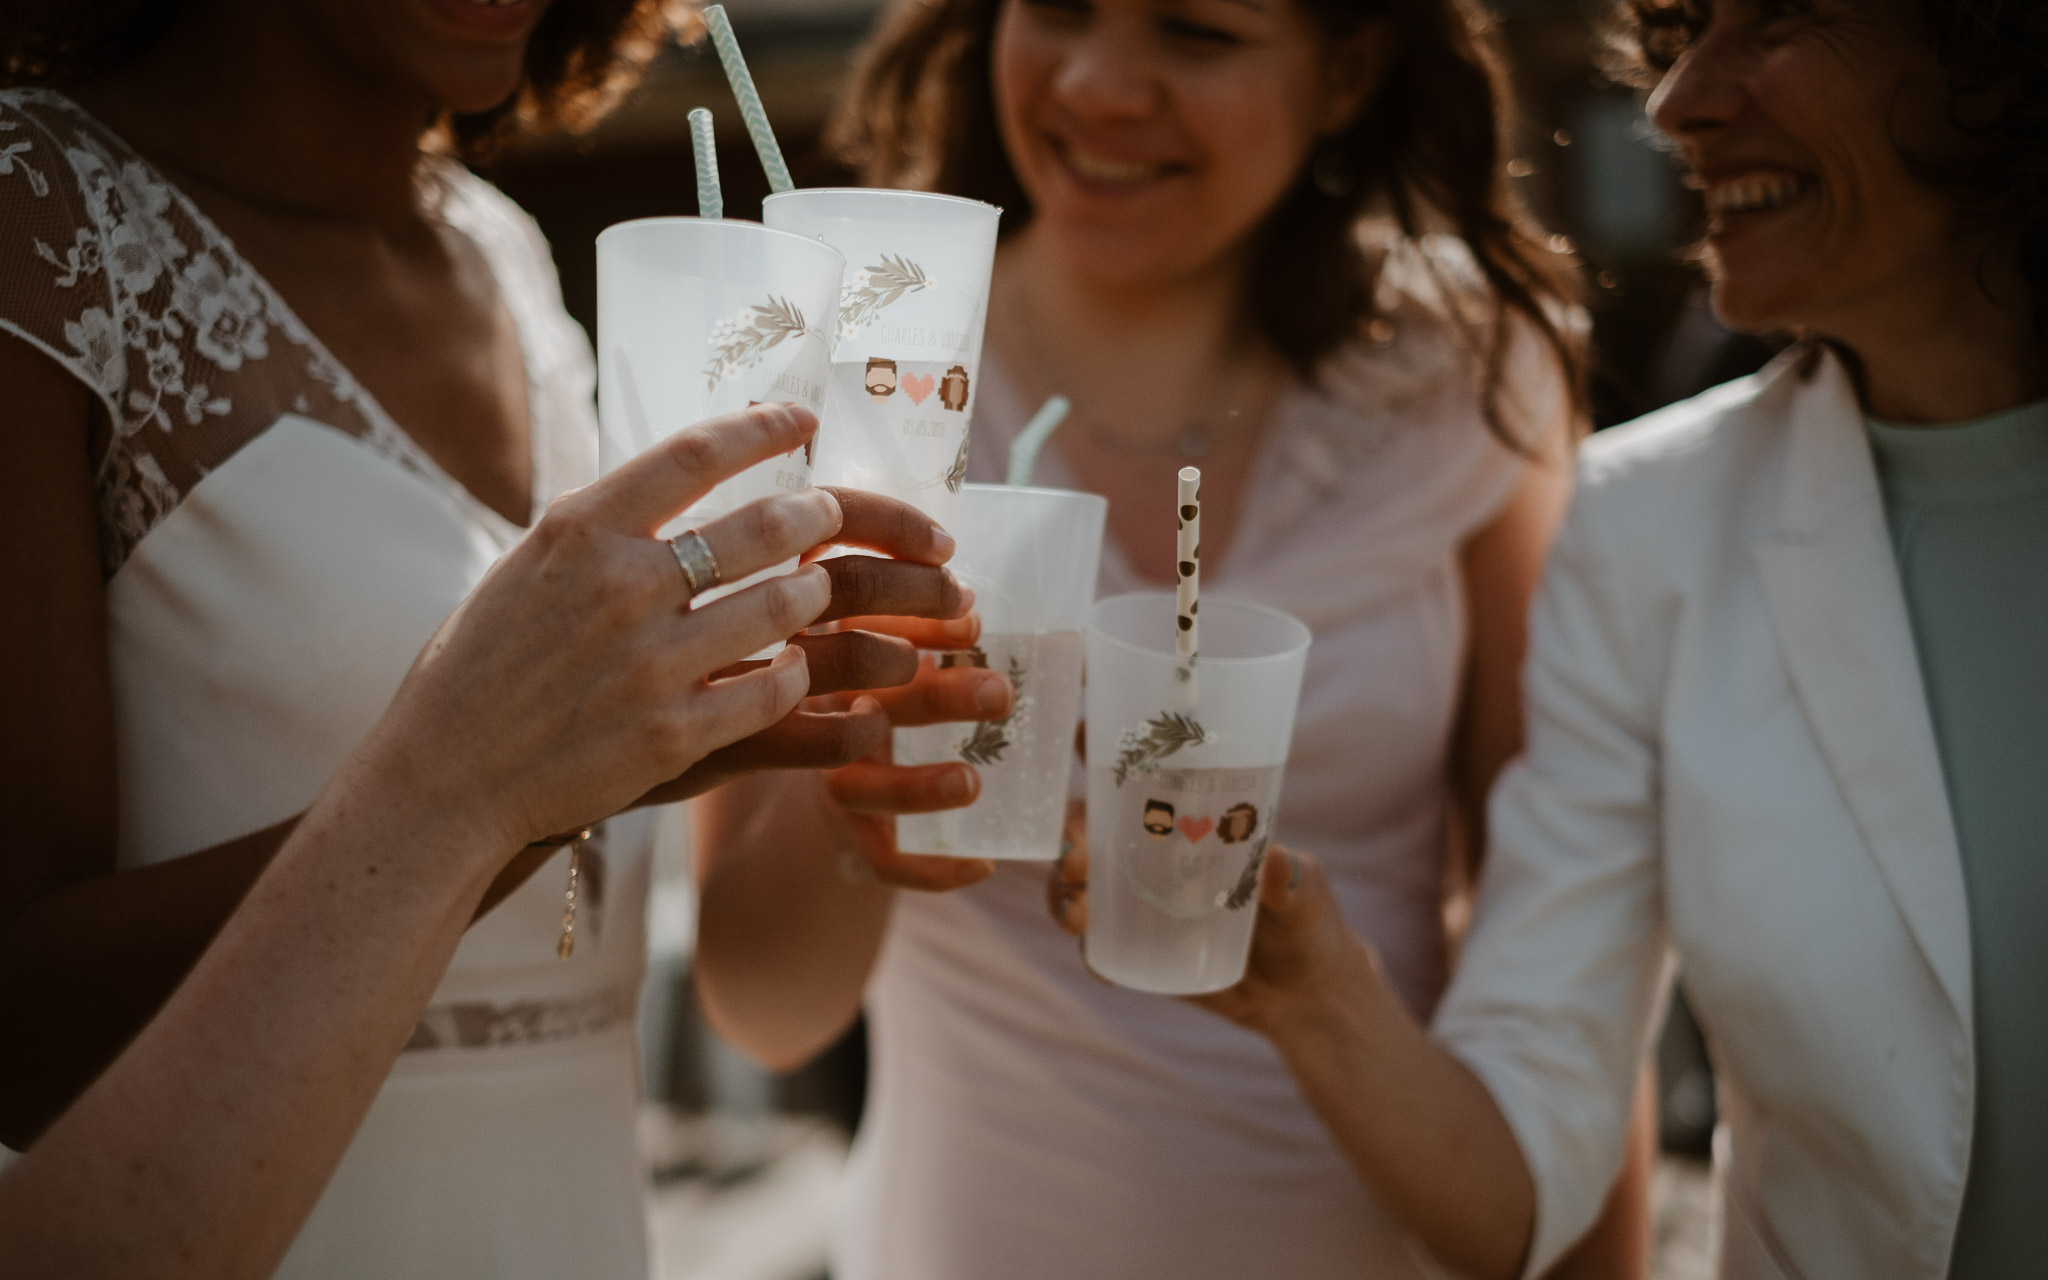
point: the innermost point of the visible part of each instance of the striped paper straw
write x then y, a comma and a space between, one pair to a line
710, 202
1187, 588
742, 82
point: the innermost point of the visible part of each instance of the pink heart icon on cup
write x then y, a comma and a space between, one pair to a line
1195, 828
918, 386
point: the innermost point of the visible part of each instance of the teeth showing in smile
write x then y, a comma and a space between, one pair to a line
1754, 192
1103, 169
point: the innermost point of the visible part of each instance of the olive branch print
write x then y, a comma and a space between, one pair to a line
992, 737
740, 343
1248, 883
956, 475
1140, 753
873, 288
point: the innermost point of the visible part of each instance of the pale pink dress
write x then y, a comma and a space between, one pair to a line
1027, 1121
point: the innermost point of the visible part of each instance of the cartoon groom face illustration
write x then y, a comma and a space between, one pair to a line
1158, 819
881, 377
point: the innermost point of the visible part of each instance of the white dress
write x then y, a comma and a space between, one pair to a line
277, 550
1026, 1120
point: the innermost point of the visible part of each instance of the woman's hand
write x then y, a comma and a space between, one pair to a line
1302, 955
577, 676
863, 798
917, 603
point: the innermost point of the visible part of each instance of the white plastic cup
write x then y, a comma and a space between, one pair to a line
1030, 555
911, 315
1182, 796
698, 317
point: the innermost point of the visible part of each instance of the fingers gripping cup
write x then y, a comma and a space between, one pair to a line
1030, 555
909, 340
697, 317
1182, 795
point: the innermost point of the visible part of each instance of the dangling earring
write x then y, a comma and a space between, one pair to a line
1330, 168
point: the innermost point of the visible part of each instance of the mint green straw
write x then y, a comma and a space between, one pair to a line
1024, 449
710, 204
749, 97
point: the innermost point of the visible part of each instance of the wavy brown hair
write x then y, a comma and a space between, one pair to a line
1996, 55
582, 57
1430, 152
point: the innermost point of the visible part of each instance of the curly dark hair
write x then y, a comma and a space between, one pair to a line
1430, 151
1996, 55
583, 56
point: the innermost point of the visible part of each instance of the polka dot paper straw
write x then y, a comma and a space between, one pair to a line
1187, 574
710, 201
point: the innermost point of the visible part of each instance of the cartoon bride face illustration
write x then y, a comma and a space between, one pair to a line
881, 377
1158, 819
1239, 821
953, 388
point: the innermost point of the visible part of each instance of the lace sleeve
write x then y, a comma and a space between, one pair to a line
56, 289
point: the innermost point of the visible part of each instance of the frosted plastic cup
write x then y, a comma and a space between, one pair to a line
908, 358
1182, 795
1030, 555
697, 317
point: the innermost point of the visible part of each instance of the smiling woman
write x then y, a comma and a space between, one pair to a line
1788, 717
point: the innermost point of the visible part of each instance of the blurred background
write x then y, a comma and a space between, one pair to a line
746, 1164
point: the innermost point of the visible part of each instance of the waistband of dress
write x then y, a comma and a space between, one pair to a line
492, 1024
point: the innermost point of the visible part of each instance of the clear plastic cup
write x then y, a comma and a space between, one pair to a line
1030, 555
908, 358
1183, 786
697, 317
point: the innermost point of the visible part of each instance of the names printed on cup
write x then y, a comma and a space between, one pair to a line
913, 335
810, 392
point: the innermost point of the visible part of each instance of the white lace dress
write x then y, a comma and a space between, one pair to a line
277, 550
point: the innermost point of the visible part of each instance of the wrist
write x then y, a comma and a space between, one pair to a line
395, 795
1334, 1011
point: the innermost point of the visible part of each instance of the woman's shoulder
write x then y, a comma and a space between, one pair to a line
1684, 450
507, 233
1423, 357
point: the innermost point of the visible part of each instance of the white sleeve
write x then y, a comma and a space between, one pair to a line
1565, 964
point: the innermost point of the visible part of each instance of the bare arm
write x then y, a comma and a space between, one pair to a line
89, 953
569, 683
1442, 1160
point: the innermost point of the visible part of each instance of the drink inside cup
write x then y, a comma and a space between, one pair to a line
697, 317
1182, 796
1030, 555
908, 358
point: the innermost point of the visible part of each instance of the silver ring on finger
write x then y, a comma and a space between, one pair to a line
693, 556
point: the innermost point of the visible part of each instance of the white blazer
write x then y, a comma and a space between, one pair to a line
1730, 760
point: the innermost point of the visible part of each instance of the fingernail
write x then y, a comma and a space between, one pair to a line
1293, 872
993, 695
966, 593
976, 871
942, 544
865, 705
956, 785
